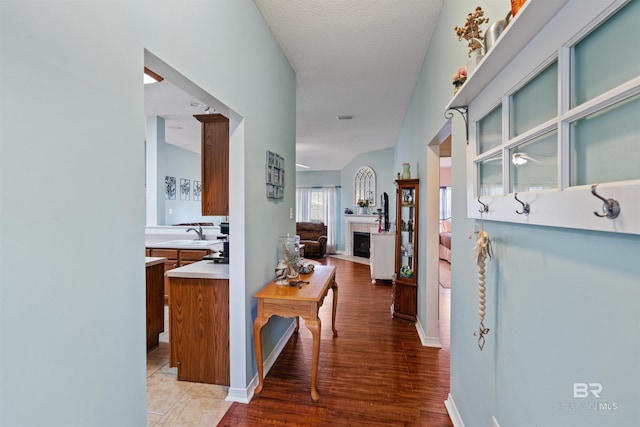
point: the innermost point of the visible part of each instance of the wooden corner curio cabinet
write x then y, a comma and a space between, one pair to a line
405, 286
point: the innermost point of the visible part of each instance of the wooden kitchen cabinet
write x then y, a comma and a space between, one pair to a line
155, 303
176, 258
405, 285
170, 254
188, 256
199, 329
215, 164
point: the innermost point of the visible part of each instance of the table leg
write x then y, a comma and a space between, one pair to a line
315, 327
257, 343
334, 287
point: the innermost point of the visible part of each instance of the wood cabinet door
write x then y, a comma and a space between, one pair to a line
405, 298
199, 329
155, 304
187, 256
215, 164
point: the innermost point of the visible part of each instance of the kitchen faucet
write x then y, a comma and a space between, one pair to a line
199, 232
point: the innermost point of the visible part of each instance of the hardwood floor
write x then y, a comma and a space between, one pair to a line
375, 373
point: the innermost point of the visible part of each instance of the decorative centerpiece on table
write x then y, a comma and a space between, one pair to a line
472, 33
288, 266
459, 77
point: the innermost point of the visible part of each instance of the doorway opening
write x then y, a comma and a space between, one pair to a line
438, 253
155, 186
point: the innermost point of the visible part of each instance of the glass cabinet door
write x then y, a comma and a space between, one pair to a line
405, 297
407, 229
406, 234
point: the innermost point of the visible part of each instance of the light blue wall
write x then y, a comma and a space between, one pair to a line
180, 163
72, 328
561, 304
318, 178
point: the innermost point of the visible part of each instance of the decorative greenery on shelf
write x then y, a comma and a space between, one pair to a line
471, 30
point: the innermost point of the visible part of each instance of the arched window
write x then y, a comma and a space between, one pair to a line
364, 182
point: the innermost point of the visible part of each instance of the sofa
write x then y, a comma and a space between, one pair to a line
313, 235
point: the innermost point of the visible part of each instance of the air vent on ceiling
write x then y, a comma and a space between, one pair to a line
344, 117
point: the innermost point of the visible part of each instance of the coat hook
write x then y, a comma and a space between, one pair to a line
611, 207
485, 208
525, 206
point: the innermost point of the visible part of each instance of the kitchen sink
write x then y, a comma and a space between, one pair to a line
192, 242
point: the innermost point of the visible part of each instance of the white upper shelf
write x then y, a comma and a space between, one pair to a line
533, 16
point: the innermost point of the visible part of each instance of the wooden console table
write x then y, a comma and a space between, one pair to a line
291, 301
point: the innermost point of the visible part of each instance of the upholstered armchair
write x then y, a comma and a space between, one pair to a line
313, 235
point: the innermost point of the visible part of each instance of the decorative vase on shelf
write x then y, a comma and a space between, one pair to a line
406, 174
474, 59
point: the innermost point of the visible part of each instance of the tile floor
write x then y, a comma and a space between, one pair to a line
179, 403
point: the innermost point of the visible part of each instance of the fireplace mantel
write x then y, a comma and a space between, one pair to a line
364, 223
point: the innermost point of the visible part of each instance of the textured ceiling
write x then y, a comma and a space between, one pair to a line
351, 57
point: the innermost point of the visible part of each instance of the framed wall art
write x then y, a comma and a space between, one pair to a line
170, 187
185, 188
274, 175
197, 191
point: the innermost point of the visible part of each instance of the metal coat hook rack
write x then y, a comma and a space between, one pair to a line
463, 110
485, 208
611, 207
525, 206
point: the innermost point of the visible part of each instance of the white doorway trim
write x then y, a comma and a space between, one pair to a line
432, 227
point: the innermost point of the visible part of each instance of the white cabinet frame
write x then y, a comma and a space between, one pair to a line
511, 64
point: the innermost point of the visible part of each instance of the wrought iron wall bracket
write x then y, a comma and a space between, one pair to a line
464, 110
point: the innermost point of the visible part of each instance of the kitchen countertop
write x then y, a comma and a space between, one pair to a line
212, 245
153, 260
201, 270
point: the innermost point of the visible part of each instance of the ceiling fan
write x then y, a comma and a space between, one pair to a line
519, 159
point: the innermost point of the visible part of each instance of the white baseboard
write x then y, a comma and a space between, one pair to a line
244, 395
454, 415
425, 340
240, 395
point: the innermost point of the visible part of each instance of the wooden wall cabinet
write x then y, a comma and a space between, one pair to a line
405, 286
199, 329
215, 164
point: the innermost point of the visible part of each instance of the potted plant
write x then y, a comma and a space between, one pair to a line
362, 205
472, 33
